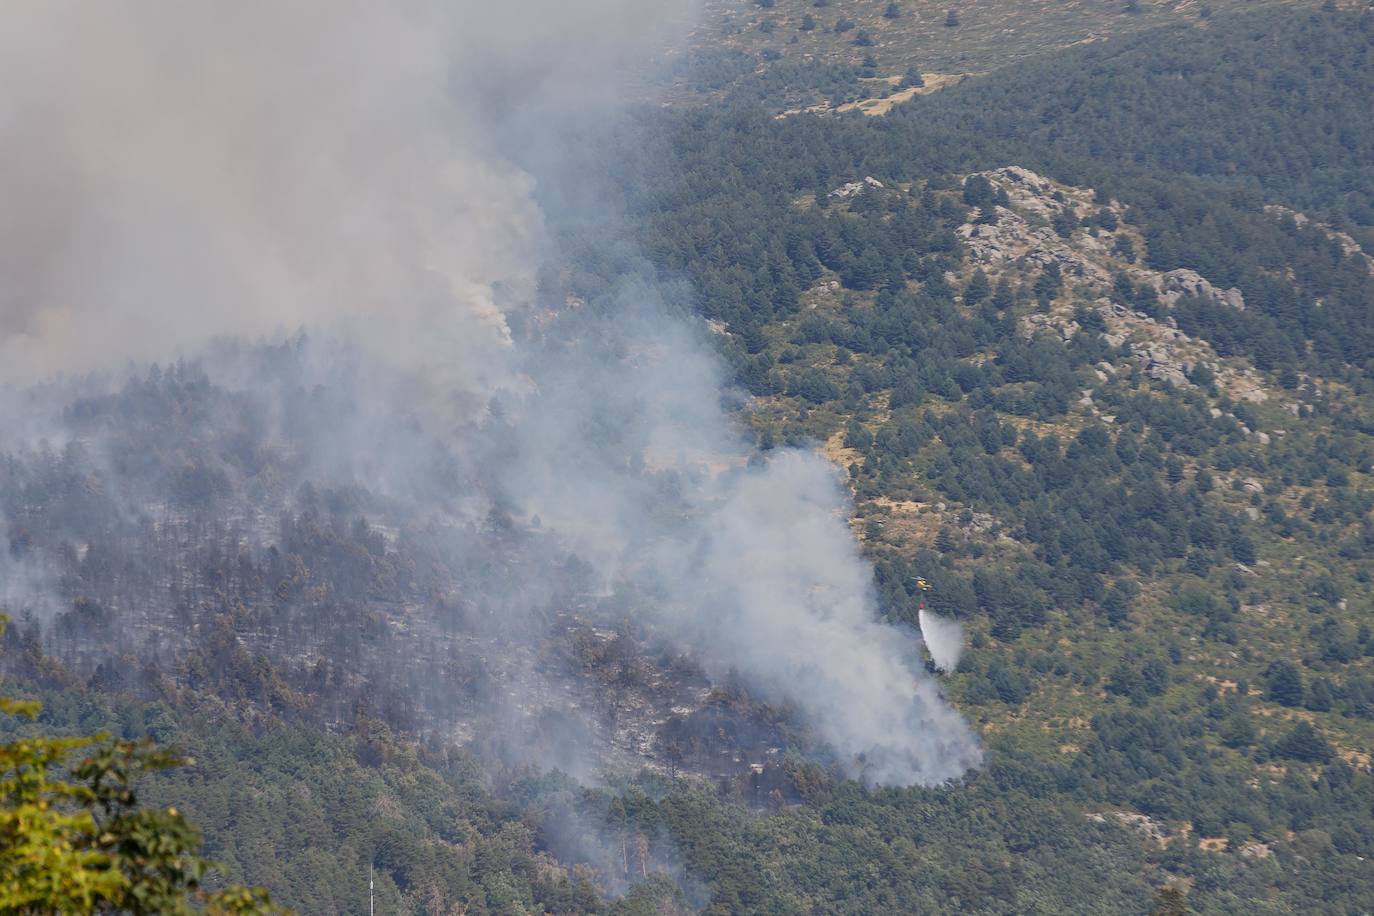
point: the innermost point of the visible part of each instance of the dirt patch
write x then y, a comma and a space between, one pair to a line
899, 506
835, 451
881, 106
1222, 684
1358, 759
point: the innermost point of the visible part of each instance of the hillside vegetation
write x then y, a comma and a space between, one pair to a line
1105, 422
1274, 104
1089, 339
850, 49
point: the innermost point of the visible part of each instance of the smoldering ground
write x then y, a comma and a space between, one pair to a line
180, 173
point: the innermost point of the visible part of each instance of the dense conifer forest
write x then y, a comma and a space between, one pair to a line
1089, 339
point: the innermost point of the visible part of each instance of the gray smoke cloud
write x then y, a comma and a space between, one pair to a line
176, 173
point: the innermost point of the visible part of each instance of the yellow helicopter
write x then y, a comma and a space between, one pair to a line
924, 586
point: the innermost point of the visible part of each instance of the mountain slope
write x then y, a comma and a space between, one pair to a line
1273, 102
915, 32
1111, 404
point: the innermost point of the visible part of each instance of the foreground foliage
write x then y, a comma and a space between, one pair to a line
82, 843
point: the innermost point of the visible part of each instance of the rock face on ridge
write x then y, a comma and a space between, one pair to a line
1039, 223
1175, 284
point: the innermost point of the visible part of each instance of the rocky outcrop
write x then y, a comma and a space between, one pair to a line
1176, 284
1038, 323
854, 187
1028, 192
995, 243
1018, 241
1164, 366
1012, 239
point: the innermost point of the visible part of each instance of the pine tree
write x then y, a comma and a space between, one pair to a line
1169, 901
913, 78
978, 288
1285, 683
1304, 743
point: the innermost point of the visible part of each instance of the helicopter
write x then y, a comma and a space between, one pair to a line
924, 586
944, 639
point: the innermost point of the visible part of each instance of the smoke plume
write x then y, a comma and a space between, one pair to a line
178, 173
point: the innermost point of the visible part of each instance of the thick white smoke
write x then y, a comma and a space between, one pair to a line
944, 639
175, 172
753, 563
